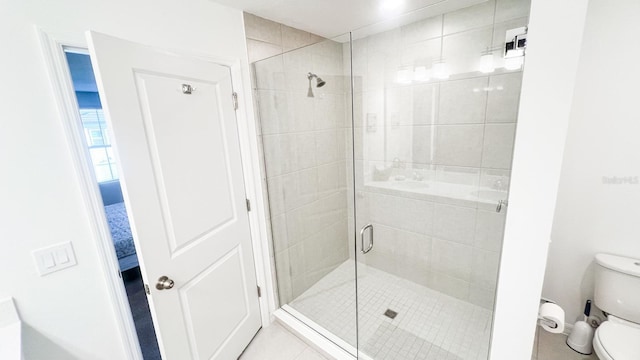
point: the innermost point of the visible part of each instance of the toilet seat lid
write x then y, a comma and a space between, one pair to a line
621, 342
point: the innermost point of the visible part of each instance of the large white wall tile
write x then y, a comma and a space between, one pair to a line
481, 296
300, 188
463, 101
403, 213
504, 97
399, 143
327, 147
258, 28
275, 188
449, 285
511, 9
423, 53
462, 51
303, 110
270, 74
489, 230
425, 104
485, 268
469, 18
259, 50
275, 112
497, 150
329, 111
454, 223
452, 258
331, 178
422, 30
276, 149
293, 38
303, 155
459, 145
421, 142
413, 256
279, 233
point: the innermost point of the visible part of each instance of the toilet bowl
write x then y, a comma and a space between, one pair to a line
617, 339
617, 292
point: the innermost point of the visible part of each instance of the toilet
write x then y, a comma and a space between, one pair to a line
617, 292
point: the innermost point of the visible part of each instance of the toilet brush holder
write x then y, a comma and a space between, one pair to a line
581, 337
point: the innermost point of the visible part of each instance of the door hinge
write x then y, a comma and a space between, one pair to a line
248, 205
259, 291
234, 97
146, 289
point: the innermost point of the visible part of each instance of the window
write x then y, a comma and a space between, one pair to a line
98, 139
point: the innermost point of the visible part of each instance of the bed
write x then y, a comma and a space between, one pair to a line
121, 235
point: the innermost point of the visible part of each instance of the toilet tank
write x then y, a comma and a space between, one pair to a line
617, 286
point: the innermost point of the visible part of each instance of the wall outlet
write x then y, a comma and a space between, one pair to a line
54, 258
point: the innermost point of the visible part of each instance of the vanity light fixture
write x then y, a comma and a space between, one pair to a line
486, 64
441, 70
403, 76
420, 73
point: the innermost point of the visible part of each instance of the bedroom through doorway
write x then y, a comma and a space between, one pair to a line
97, 137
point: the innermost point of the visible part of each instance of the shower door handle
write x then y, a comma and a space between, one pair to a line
362, 231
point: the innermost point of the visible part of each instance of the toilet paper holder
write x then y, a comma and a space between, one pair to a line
550, 316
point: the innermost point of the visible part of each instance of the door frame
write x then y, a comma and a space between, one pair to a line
64, 95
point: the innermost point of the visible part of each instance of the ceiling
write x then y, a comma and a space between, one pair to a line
330, 18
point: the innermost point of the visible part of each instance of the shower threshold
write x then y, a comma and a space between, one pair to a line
429, 324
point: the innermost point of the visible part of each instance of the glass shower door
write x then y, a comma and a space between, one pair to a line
302, 100
434, 116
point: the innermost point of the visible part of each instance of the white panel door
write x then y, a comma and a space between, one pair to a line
181, 173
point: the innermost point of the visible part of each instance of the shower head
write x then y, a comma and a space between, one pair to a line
319, 83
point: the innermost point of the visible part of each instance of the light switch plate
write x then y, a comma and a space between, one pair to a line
54, 258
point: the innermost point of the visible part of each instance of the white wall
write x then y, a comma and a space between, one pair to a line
555, 36
603, 141
67, 314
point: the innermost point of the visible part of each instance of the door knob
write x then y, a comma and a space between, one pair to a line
164, 283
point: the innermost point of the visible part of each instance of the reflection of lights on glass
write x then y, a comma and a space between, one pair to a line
390, 5
487, 88
486, 64
476, 90
403, 76
499, 87
514, 59
513, 63
441, 71
421, 74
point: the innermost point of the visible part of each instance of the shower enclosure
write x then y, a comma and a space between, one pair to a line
387, 156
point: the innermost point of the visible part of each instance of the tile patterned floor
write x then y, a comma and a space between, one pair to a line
276, 343
553, 347
429, 324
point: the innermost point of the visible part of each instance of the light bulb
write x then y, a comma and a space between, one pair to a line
420, 73
513, 63
486, 64
403, 76
441, 71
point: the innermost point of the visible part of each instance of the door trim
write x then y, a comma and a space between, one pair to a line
64, 94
